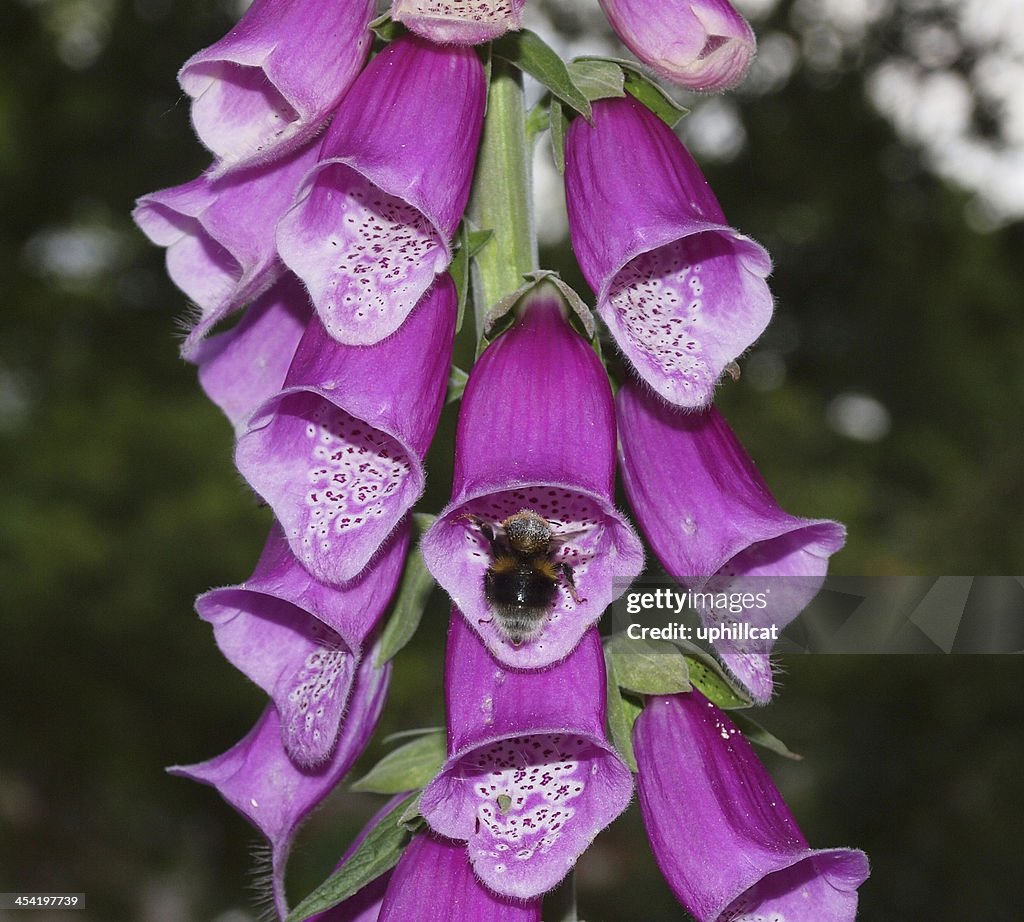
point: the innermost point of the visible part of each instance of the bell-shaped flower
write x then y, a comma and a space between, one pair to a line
219, 235
434, 880
338, 453
373, 222
270, 84
530, 779
259, 779
536, 432
703, 45
301, 640
722, 835
458, 22
682, 292
715, 526
243, 366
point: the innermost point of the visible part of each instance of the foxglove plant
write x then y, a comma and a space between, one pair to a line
681, 291
338, 452
530, 779
721, 531
372, 224
722, 835
262, 782
271, 82
219, 235
540, 388
331, 216
702, 45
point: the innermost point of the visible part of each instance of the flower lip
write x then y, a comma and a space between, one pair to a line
591, 537
462, 22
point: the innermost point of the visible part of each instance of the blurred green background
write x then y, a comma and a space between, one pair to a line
887, 394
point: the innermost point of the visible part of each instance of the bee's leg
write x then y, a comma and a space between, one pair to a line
570, 581
484, 527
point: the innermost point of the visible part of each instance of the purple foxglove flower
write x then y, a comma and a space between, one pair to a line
702, 45
713, 523
300, 640
257, 777
459, 22
244, 366
274, 79
434, 880
338, 453
722, 835
536, 431
682, 292
219, 235
530, 780
372, 225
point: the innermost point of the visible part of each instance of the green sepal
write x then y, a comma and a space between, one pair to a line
501, 310
648, 667
385, 28
410, 600
532, 55
597, 78
411, 819
379, 852
709, 678
759, 736
406, 768
623, 710
558, 124
456, 384
537, 120
642, 88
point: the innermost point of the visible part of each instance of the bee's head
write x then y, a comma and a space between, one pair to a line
527, 532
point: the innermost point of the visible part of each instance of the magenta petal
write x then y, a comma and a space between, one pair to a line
300, 640
713, 523
531, 779
536, 430
702, 45
371, 228
434, 881
682, 292
722, 835
219, 235
338, 454
459, 22
258, 779
273, 80
246, 365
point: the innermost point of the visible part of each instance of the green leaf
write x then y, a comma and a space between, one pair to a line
405, 768
411, 819
648, 667
597, 79
456, 384
719, 688
642, 88
379, 852
758, 735
410, 600
385, 28
622, 714
559, 124
532, 55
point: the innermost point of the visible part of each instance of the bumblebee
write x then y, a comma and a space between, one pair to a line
522, 581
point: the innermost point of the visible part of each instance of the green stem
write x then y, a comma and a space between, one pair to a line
502, 199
